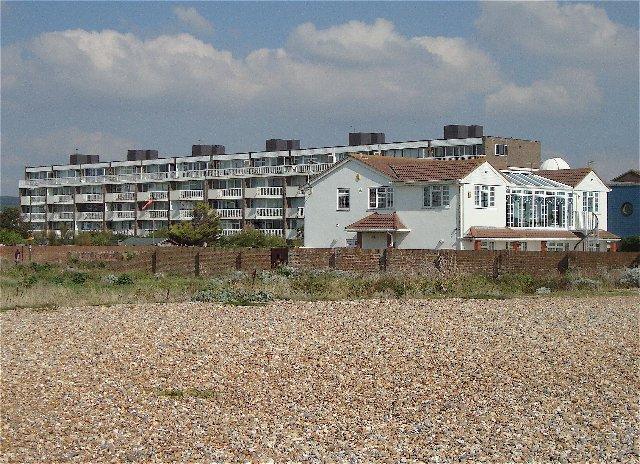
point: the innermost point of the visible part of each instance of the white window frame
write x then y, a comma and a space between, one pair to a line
430, 192
591, 202
487, 245
501, 149
382, 197
343, 192
482, 192
557, 246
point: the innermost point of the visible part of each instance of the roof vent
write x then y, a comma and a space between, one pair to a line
141, 155
366, 138
460, 131
207, 150
282, 144
79, 158
554, 164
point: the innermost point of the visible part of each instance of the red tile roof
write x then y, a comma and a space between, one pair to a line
506, 232
420, 169
515, 234
570, 177
378, 221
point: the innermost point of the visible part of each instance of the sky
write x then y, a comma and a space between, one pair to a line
104, 77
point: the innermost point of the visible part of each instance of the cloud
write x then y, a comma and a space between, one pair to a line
351, 65
191, 18
566, 92
570, 34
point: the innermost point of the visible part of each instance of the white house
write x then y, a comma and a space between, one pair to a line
377, 202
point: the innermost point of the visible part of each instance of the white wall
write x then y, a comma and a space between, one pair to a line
495, 216
323, 224
592, 183
375, 240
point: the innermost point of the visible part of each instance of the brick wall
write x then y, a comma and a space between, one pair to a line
522, 153
211, 261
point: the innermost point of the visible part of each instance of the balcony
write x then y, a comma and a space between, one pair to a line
153, 215
88, 198
263, 192
294, 191
269, 213
62, 216
121, 215
276, 232
195, 195
60, 199
226, 194
37, 217
182, 215
155, 195
90, 216
229, 213
120, 196
296, 212
227, 232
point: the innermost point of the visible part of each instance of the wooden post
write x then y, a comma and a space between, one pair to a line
154, 262
196, 264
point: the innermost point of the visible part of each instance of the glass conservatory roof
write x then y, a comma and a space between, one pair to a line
529, 179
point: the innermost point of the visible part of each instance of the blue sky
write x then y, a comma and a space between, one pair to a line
107, 76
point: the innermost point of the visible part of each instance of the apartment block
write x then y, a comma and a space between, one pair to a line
261, 189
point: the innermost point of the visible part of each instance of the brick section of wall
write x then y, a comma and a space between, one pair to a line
211, 261
521, 153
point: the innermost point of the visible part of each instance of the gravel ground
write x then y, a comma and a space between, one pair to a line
544, 379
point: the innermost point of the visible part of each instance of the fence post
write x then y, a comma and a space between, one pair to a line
196, 264
154, 258
239, 261
383, 260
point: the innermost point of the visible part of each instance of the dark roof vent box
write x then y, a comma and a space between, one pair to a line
207, 150
460, 131
141, 155
282, 144
79, 158
366, 138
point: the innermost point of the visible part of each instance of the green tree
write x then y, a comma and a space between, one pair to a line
252, 238
11, 219
10, 237
630, 243
203, 228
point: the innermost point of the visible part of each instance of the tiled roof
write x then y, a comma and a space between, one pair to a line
570, 177
632, 176
515, 234
506, 232
377, 221
420, 169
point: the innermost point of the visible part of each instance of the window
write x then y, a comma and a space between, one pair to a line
557, 246
501, 150
344, 199
436, 196
590, 202
380, 197
626, 209
487, 245
485, 196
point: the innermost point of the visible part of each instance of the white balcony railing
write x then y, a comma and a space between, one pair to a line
191, 194
231, 193
277, 232
60, 198
266, 213
230, 213
183, 214
125, 196
121, 215
88, 198
300, 212
90, 216
269, 191
38, 217
158, 214
62, 216
308, 169
228, 232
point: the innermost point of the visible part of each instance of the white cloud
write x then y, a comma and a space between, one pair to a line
571, 34
190, 17
351, 65
566, 92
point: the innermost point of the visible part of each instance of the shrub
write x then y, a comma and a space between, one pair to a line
583, 283
124, 279
631, 277
10, 237
78, 278
630, 243
233, 297
109, 279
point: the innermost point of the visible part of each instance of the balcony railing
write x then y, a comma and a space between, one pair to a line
89, 198
266, 213
183, 214
230, 213
90, 216
269, 191
191, 194
33, 200
60, 199
38, 217
277, 232
228, 232
308, 169
62, 216
158, 214
231, 193
125, 196
121, 215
